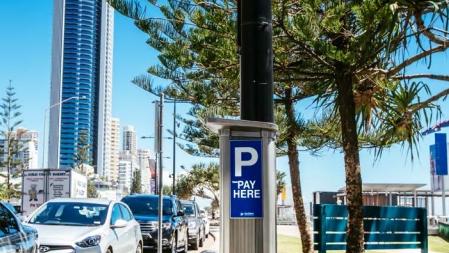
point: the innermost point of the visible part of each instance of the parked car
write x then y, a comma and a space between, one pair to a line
174, 233
14, 236
196, 225
206, 222
86, 225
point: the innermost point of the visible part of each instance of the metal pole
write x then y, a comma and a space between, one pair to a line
443, 195
174, 148
159, 231
44, 137
256, 62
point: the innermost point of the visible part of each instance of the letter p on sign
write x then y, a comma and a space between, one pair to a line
239, 162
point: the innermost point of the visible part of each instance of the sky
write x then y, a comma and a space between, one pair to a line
25, 58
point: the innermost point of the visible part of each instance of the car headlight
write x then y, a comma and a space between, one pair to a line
192, 224
166, 225
90, 241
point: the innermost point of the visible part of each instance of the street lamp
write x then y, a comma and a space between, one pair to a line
45, 122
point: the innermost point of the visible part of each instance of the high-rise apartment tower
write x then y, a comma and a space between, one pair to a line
81, 83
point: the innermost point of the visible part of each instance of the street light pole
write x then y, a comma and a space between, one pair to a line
45, 123
159, 151
174, 148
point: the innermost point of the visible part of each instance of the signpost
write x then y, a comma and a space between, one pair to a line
247, 184
246, 179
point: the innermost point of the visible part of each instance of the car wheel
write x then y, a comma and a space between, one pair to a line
201, 239
186, 243
196, 244
139, 248
109, 250
174, 244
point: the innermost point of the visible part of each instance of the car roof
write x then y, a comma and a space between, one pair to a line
191, 202
147, 196
81, 200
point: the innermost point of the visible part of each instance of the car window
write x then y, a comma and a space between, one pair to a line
148, 205
8, 223
116, 214
125, 213
189, 210
70, 214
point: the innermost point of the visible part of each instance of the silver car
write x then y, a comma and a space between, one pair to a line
15, 237
86, 226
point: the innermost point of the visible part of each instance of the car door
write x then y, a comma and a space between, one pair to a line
182, 225
118, 241
130, 230
10, 234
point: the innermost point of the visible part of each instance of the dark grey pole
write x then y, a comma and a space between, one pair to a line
255, 39
161, 207
174, 147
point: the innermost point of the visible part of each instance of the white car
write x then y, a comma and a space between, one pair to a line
86, 226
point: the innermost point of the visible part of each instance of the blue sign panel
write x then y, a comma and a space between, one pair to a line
246, 179
440, 154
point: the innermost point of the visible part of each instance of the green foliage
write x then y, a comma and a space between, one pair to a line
280, 181
166, 190
202, 181
11, 165
91, 189
82, 155
136, 185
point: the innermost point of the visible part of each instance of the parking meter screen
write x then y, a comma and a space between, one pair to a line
246, 179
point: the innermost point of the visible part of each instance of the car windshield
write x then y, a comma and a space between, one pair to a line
148, 206
188, 210
71, 214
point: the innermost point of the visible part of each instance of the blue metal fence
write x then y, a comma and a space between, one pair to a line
385, 227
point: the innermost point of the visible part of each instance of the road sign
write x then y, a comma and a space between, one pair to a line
440, 154
246, 179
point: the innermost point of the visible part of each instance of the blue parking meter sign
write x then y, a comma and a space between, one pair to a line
246, 179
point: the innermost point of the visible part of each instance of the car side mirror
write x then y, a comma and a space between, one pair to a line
203, 215
180, 213
119, 224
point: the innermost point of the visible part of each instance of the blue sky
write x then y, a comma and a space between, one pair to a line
25, 57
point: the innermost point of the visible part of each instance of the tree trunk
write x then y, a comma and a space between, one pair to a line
301, 217
346, 108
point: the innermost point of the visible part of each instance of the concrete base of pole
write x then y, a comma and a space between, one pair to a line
247, 235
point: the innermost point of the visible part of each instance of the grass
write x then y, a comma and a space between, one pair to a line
288, 244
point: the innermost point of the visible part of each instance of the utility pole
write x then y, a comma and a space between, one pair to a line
256, 60
174, 148
158, 145
247, 146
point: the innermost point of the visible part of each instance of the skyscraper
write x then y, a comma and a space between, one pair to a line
129, 140
112, 174
81, 82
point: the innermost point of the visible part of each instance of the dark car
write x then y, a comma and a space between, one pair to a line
174, 225
14, 236
196, 230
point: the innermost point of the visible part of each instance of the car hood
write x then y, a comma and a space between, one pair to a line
64, 235
150, 218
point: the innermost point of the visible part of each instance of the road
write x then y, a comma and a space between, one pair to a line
211, 245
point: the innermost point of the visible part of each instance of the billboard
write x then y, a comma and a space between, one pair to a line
59, 184
33, 190
440, 154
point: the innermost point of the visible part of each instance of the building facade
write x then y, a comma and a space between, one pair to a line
147, 170
112, 174
81, 82
27, 145
129, 140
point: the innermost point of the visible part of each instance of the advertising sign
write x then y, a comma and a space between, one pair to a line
246, 179
59, 184
78, 184
436, 181
33, 185
440, 154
